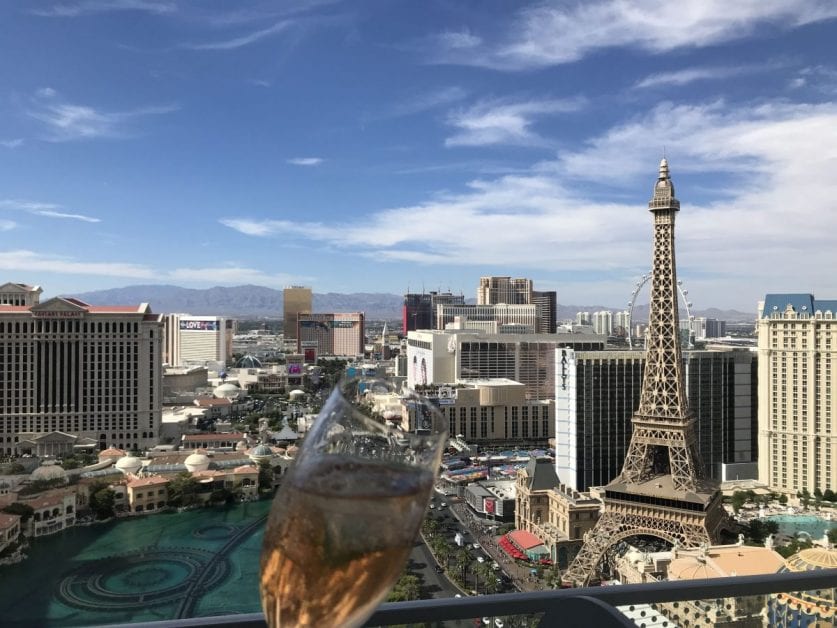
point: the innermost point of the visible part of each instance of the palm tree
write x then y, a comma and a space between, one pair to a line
462, 560
486, 575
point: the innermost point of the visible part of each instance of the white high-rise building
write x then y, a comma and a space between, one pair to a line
583, 318
71, 372
198, 340
622, 323
797, 390
494, 290
603, 322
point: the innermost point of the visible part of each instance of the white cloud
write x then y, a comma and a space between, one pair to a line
233, 275
14, 143
49, 210
66, 121
88, 7
242, 40
7, 225
503, 122
555, 33
31, 261
427, 101
55, 214
767, 225
23, 260
305, 161
690, 75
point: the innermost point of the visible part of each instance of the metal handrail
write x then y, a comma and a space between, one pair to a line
550, 602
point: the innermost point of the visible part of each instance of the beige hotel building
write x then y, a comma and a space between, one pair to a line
797, 406
78, 371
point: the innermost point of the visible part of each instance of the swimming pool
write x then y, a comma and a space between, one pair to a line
791, 525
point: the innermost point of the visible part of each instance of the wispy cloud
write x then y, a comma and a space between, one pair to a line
7, 225
14, 143
690, 75
503, 122
764, 206
242, 40
305, 161
54, 214
66, 121
819, 77
24, 260
89, 7
419, 103
555, 33
49, 210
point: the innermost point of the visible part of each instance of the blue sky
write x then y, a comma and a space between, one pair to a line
384, 145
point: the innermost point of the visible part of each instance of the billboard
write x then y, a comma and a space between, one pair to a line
489, 505
199, 325
343, 324
309, 355
294, 369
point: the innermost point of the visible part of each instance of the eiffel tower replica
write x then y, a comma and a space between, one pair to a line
662, 490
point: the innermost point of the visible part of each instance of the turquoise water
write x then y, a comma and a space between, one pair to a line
192, 564
791, 525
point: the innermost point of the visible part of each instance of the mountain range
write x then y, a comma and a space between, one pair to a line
260, 302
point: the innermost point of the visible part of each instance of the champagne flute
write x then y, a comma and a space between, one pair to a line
348, 511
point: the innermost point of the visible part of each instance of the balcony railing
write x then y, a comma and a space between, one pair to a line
590, 607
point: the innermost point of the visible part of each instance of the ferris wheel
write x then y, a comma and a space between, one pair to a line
639, 286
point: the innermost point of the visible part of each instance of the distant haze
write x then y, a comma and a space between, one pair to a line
261, 302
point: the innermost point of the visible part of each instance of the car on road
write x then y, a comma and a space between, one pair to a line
476, 546
480, 559
495, 566
438, 569
443, 505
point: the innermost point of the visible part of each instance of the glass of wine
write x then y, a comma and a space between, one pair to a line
348, 511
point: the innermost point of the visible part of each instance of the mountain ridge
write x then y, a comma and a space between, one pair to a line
263, 302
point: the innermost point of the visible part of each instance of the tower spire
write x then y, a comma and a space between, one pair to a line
661, 490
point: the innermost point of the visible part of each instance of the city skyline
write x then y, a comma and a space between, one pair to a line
385, 146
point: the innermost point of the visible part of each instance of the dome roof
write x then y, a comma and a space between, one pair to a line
128, 464
296, 393
198, 461
260, 453
819, 602
226, 391
48, 473
112, 452
813, 558
692, 568
248, 362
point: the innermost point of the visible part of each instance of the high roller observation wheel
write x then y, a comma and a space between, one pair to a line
639, 286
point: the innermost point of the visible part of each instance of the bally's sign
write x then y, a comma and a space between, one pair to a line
199, 325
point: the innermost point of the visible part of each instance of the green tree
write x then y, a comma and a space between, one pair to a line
804, 497
17, 508
265, 476
442, 550
183, 490
407, 588
757, 531
738, 499
783, 499
102, 502
15, 469
832, 536
462, 560
430, 527
829, 495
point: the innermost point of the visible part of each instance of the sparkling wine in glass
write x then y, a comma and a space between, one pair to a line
348, 511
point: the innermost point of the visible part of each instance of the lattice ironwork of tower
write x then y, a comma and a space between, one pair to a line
662, 490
